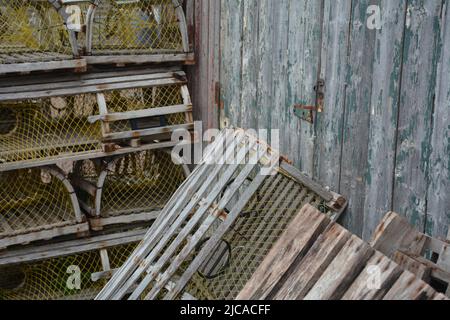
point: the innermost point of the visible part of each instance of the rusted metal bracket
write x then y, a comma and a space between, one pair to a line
306, 112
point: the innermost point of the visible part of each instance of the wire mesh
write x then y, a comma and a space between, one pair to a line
145, 98
50, 279
136, 27
140, 182
33, 200
31, 31
47, 128
259, 226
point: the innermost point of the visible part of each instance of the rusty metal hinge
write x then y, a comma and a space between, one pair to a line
306, 112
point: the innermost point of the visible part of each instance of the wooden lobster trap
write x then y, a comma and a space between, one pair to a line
91, 117
37, 204
128, 189
33, 37
133, 31
71, 270
220, 223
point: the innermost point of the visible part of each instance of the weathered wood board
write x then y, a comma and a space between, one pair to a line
306, 274
342, 271
372, 286
295, 242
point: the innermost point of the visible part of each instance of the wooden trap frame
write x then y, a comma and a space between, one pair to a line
46, 275
133, 31
96, 116
127, 189
37, 204
33, 37
224, 195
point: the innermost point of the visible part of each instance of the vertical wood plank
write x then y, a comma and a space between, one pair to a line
265, 62
231, 61
203, 76
305, 33
438, 215
280, 69
421, 55
357, 116
329, 126
384, 114
249, 105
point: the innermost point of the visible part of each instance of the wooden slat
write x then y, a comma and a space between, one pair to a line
342, 271
408, 287
304, 275
421, 267
249, 93
378, 269
438, 204
293, 244
187, 58
136, 114
231, 63
421, 271
93, 87
147, 132
43, 235
355, 136
417, 107
42, 66
395, 233
440, 296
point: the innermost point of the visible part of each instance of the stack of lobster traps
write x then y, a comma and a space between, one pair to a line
85, 150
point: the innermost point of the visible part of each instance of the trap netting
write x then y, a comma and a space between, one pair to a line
32, 31
136, 27
57, 278
132, 184
33, 201
243, 248
47, 128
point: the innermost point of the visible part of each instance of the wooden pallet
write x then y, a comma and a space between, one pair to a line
317, 259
